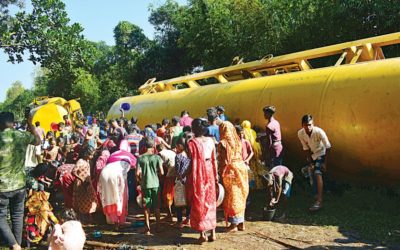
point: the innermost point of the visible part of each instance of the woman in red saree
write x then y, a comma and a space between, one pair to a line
201, 182
234, 176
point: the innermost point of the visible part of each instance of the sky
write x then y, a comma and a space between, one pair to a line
98, 18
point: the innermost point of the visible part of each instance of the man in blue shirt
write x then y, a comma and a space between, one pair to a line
213, 129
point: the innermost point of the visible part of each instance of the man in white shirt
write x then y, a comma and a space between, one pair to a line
316, 146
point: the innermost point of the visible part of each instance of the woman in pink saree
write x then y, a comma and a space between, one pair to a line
201, 182
113, 184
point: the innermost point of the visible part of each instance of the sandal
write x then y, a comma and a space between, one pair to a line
317, 206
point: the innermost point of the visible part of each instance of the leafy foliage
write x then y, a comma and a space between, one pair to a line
17, 105
201, 35
14, 91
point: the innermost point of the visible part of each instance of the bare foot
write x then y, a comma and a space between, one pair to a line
241, 227
16, 247
212, 238
202, 239
232, 228
168, 218
179, 225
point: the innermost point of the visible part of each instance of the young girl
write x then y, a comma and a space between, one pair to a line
182, 163
69, 235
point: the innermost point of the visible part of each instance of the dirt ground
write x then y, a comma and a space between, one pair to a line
356, 219
258, 235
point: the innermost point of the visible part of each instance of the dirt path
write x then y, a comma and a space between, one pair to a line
258, 235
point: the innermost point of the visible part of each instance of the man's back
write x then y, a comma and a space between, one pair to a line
40, 132
13, 146
149, 164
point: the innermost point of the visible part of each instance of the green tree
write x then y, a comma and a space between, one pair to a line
130, 46
14, 91
216, 31
86, 87
165, 59
5, 17
17, 105
47, 36
40, 82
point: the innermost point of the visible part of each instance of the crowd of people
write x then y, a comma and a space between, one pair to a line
182, 165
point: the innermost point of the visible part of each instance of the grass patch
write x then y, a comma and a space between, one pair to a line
364, 214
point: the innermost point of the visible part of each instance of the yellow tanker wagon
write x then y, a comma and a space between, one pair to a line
356, 101
49, 111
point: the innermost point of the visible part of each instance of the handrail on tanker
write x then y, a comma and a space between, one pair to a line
368, 49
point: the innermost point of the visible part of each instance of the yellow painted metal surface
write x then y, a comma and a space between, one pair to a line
49, 110
358, 105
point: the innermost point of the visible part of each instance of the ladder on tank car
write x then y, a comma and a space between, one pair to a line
369, 49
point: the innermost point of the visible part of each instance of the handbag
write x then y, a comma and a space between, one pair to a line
179, 194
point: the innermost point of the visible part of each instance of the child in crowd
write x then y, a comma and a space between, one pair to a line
168, 157
80, 132
149, 165
247, 155
46, 143
162, 131
247, 150
51, 153
64, 133
69, 235
182, 163
104, 131
68, 123
72, 149
37, 180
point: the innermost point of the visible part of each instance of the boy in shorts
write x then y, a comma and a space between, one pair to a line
149, 167
316, 146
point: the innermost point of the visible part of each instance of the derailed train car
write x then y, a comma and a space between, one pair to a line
49, 111
356, 101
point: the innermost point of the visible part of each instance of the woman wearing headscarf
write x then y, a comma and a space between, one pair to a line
201, 182
101, 162
113, 184
234, 176
255, 162
84, 196
66, 180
